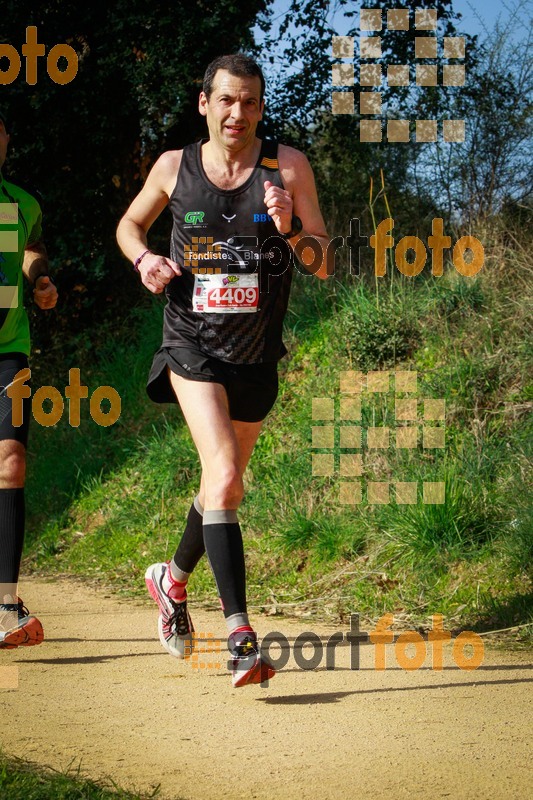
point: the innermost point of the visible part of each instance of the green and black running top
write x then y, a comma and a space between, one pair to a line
227, 233
20, 226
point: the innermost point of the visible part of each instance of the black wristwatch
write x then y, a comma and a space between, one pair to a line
296, 227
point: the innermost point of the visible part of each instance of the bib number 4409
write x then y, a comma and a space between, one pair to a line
233, 297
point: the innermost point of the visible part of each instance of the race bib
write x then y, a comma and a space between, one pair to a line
225, 294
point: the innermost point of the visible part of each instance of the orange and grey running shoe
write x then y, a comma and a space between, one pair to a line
17, 627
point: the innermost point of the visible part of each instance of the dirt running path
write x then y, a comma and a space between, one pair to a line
102, 692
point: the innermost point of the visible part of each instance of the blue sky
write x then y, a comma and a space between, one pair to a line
480, 15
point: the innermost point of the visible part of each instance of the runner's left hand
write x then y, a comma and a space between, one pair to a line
45, 293
279, 205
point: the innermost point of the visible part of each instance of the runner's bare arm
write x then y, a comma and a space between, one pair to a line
299, 198
155, 270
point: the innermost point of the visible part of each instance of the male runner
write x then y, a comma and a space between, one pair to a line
21, 253
239, 204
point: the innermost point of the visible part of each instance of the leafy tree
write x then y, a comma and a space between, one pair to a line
299, 44
493, 168
88, 144
299, 48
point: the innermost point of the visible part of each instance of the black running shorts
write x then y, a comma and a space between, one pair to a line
251, 388
10, 364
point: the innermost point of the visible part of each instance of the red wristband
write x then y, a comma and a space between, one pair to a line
138, 261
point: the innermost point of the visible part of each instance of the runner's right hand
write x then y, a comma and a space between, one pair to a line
156, 271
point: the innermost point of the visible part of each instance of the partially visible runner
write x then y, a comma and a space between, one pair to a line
19, 213
239, 204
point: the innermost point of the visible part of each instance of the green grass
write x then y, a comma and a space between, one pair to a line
64, 460
382, 332
20, 780
437, 533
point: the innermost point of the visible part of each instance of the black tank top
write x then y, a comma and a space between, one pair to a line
227, 231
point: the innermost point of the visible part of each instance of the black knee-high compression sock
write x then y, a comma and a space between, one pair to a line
11, 534
224, 548
191, 547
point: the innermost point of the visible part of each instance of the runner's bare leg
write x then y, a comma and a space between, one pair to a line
224, 448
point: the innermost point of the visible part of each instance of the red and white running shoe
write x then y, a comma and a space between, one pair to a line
248, 665
174, 624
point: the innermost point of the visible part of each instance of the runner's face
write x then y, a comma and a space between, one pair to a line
233, 109
4, 141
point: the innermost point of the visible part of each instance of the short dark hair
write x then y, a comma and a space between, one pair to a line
237, 64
